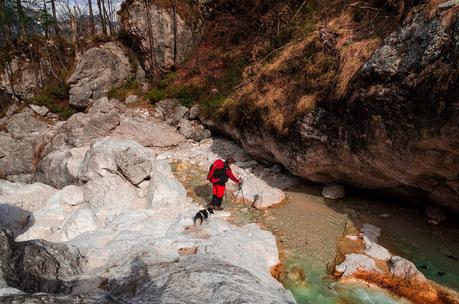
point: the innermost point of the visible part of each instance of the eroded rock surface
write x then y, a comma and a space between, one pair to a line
100, 69
164, 38
39, 266
396, 132
127, 214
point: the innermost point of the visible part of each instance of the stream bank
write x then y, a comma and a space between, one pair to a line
308, 227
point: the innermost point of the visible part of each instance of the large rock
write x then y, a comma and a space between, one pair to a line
29, 197
83, 129
206, 281
148, 132
60, 167
109, 196
165, 39
24, 76
165, 190
22, 144
259, 193
100, 69
24, 123
108, 156
39, 266
166, 108
396, 132
14, 218
193, 129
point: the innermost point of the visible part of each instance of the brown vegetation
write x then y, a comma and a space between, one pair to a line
297, 54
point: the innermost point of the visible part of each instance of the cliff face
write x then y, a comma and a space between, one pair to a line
163, 33
361, 93
397, 128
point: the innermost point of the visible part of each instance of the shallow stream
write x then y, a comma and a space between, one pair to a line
307, 227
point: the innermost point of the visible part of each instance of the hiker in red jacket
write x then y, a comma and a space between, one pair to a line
218, 175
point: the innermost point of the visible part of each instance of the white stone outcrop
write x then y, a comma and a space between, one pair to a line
259, 193
100, 69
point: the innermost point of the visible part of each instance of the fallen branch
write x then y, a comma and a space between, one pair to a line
365, 7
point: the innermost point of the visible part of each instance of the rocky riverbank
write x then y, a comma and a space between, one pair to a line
113, 207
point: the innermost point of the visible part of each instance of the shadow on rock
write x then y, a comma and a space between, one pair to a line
38, 265
204, 192
15, 219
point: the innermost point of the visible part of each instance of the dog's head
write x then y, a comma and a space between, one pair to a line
211, 210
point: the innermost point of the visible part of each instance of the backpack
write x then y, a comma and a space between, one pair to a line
219, 168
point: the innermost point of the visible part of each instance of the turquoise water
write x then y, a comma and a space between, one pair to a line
308, 226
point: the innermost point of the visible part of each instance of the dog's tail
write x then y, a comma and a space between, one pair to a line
195, 219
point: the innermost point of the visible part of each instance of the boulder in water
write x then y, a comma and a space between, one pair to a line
333, 191
259, 193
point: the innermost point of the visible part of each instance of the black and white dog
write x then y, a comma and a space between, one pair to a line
202, 215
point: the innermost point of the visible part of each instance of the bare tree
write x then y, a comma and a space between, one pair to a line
22, 19
74, 26
91, 19
174, 14
56, 23
101, 16
106, 17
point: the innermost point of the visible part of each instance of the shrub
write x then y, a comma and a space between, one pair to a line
57, 90
62, 108
129, 87
188, 95
155, 95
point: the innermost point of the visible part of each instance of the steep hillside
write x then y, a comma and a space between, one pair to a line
361, 92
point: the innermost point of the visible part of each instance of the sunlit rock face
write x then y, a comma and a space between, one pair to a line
124, 220
98, 70
165, 38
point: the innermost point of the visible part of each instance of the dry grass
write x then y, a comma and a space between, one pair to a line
352, 58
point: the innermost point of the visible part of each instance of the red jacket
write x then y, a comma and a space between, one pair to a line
220, 164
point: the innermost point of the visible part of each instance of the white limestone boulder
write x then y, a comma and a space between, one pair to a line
82, 220
370, 235
148, 132
164, 189
354, 262
29, 197
109, 156
259, 193
109, 196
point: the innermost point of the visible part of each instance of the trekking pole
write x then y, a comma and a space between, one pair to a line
242, 192
226, 201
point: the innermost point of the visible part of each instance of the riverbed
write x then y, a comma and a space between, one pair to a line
307, 227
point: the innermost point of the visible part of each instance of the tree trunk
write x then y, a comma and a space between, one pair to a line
106, 17
91, 19
56, 24
45, 13
101, 16
174, 14
74, 26
22, 20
